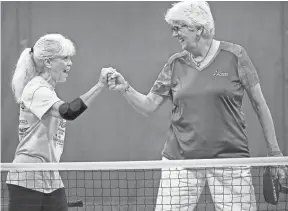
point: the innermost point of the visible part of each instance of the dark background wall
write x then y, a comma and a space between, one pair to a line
134, 38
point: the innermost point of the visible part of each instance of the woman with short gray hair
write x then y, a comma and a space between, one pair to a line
206, 83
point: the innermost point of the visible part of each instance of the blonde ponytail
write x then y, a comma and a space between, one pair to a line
25, 70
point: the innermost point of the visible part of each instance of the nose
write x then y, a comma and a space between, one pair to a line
69, 62
174, 33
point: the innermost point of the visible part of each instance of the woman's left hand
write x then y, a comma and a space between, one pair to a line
280, 172
103, 79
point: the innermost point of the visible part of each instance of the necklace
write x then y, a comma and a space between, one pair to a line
199, 62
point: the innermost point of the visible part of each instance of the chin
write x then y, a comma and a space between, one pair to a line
183, 46
63, 80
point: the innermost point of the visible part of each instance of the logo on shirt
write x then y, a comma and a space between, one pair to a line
220, 73
62, 124
23, 131
23, 122
58, 139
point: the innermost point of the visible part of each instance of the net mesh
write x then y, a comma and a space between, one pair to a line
218, 184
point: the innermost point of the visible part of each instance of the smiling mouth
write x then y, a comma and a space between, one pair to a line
180, 40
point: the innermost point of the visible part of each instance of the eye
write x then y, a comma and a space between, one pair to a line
175, 28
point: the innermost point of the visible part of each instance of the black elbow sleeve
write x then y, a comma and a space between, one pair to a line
72, 110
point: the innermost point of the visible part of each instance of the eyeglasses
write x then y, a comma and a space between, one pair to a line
178, 28
65, 58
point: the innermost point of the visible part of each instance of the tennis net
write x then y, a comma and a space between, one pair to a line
137, 185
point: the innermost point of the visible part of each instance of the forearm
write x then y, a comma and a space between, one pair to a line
89, 96
139, 102
266, 122
71, 110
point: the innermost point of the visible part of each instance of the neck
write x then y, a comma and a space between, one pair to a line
47, 77
202, 47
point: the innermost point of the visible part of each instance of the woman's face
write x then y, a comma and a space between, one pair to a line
59, 68
186, 35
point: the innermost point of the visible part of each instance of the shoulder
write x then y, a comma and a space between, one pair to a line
179, 55
233, 48
36, 84
167, 71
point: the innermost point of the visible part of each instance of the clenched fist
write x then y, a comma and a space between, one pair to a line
117, 82
103, 79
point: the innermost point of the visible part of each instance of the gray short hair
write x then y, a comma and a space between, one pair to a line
192, 13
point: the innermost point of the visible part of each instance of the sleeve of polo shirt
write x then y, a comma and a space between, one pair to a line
40, 100
162, 85
247, 72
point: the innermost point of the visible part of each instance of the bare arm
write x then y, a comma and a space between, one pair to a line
54, 110
144, 104
90, 96
261, 108
79, 105
87, 99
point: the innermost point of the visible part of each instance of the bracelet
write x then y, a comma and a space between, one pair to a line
127, 88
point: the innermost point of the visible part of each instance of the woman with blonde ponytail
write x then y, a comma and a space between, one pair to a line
42, 121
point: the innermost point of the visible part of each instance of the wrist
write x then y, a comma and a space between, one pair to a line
276, 153
125, 88
100, 84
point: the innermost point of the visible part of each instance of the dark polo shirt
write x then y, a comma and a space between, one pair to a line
206, 119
